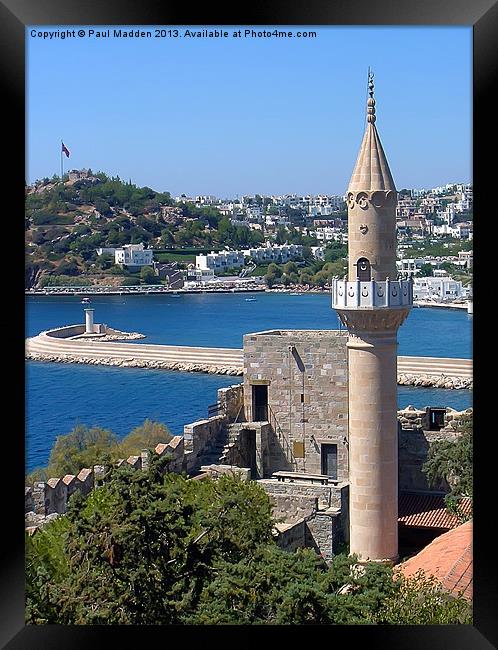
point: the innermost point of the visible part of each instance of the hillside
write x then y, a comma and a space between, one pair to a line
66, 222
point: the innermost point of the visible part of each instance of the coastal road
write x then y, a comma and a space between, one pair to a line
43, 344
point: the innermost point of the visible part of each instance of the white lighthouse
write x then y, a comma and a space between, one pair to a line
89, 320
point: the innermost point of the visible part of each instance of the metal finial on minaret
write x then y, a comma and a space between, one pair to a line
371, 100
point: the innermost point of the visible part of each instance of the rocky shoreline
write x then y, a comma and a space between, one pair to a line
118, 336
435, 381
426, 381
136, 363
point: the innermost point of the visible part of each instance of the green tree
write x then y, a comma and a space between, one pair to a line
146, 436
148, 276
335, 251
67, 267
305, 278
105, 261
167, 238
282, 235
320, 278
151, 547
420, 600
452, 461
332, 269
270, 280
142, 548
275, 269
290, 267
426, 270
81, 447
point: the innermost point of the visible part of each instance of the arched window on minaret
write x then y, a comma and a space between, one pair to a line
363, 270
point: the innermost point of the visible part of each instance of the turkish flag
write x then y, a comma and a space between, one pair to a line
65, 149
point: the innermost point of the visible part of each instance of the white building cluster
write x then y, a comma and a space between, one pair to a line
130, 255
442, 289
225, 260
417, 214
412, 266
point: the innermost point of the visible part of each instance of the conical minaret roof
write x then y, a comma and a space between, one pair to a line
371, 171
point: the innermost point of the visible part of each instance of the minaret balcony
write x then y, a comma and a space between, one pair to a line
372, 294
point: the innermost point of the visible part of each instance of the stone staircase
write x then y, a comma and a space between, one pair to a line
232, 435
217, 452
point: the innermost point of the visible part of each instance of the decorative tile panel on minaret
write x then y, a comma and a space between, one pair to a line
372, 304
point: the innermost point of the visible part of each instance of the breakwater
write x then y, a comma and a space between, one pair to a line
52, 345
68, 345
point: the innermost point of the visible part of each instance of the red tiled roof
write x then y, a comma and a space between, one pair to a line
428, 511
448, 558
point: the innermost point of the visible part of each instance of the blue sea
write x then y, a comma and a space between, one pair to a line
59, 396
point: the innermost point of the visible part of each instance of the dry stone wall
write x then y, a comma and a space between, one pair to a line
44, 500
415, 439
51, 497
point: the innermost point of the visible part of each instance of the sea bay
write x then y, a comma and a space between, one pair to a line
58, 396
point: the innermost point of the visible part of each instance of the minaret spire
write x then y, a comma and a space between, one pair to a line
371, 101
371, 171
372, 304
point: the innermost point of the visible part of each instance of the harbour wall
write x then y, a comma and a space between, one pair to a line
66, 345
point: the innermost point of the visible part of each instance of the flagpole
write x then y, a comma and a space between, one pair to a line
62, 163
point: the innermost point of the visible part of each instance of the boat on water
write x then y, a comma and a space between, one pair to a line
85, 301
250, 299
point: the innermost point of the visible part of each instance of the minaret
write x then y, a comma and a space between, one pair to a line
372, 304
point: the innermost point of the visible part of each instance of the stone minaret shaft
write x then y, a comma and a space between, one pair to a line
372, 305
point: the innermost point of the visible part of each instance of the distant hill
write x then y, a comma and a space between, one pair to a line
66, 222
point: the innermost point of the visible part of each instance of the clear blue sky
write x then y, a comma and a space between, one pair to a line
244, 116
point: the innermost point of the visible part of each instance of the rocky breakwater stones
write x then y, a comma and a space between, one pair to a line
435, 381
118, 336
132, 362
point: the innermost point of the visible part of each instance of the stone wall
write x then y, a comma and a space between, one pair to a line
323, 510
412, 418
326, 495
50, 497
199, 435
231, 401
306, 375
44, 499
65, 331
414, 441
290, 537
215, 471
323, 533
